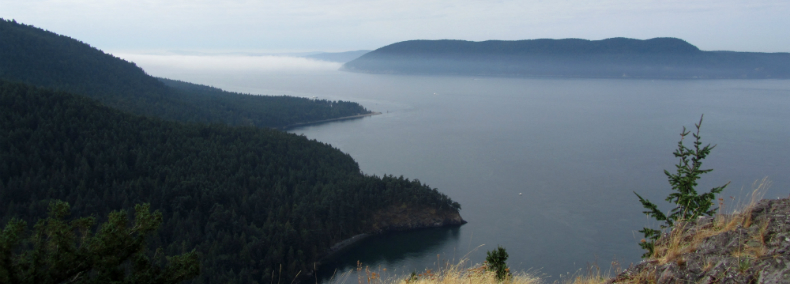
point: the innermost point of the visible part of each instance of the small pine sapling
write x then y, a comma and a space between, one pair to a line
496, 262
689, 204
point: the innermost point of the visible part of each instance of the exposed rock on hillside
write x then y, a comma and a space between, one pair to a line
400, 218
748, 247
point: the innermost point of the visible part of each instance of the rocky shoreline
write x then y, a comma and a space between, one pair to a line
345, 243
396, 219
401, 218
372, 113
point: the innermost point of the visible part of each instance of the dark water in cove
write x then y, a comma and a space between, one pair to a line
542, 167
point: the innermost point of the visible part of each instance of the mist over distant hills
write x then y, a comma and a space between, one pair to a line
341, 57
658, 58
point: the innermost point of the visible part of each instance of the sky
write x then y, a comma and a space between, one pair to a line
295, 26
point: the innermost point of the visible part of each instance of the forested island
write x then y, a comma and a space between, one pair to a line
254, 202
657, 58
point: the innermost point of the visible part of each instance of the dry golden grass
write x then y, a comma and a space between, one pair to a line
646, 276
458, 275
462, 273
679, 242
756, 245
593, 275
670, 249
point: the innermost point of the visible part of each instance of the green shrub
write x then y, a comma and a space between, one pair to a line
496, 262
689, 204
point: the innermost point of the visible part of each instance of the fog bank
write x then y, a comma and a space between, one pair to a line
165, 65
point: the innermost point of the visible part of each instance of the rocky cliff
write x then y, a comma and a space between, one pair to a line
748, 247
400, 218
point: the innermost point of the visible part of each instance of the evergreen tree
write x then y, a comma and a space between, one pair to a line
59, 251
496, 262
688, 203
245, 198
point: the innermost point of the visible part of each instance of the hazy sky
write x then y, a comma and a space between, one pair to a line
135, 26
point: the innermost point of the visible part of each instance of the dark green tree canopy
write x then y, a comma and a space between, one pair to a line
41, 58
71, 252
250, 200
247, 199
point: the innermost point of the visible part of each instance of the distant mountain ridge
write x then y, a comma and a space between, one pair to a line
542, 46
669, 58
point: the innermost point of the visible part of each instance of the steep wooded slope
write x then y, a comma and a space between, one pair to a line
248, 199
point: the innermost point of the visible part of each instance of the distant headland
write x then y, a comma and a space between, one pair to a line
657, 58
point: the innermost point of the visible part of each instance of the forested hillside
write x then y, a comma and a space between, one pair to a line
248, 199
272, 111
38, 57
657, 58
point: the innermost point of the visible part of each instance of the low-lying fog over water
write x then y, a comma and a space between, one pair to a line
181, 63
543, 167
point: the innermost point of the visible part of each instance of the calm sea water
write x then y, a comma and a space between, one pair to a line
543, 167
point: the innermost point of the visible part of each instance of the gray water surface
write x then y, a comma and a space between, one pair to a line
542, 167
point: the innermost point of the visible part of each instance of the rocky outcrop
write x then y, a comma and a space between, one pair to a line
749, 247
401, 218
347, 242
